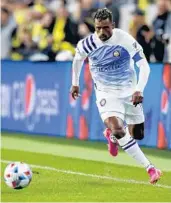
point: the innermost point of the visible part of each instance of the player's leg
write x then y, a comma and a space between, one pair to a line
114, 126
135, 120
113, 111
112, 142
130, 146
110, 108
136, 131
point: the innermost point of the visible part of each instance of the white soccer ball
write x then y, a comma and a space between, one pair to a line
17, 175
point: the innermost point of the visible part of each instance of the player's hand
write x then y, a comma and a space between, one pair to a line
137, 98
75, 92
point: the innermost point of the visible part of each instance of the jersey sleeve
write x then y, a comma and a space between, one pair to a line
77, 64
134, 48
80, 52
136, 53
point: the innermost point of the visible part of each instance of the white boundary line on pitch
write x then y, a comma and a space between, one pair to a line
94, 175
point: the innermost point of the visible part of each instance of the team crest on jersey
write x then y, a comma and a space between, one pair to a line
103, 102
116, 53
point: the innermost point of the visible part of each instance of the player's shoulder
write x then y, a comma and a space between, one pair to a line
126, 40
87, 44
90, 37
118, 31
121, 33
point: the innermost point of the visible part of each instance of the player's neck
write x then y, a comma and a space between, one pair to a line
103, 41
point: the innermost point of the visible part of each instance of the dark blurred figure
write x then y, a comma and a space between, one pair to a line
23, 46
86, 17
7, 27
65, 35
111, 5
162, 30
42, 34
141, 32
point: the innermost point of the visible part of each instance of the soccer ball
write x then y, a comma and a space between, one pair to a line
17, 175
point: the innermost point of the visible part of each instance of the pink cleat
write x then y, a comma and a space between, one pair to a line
112, 142
154, 174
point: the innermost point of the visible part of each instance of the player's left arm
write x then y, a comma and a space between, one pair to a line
144, 72
141, 62
76, 70
139, 58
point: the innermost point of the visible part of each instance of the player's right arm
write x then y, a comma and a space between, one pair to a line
77, 64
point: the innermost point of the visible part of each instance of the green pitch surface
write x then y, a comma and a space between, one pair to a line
81, 171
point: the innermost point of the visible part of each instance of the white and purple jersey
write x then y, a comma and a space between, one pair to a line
112, 62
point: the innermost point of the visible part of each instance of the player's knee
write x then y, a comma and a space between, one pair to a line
116, 126
118, 132
138, 131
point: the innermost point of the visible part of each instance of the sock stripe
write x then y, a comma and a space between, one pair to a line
128, 143
128, 146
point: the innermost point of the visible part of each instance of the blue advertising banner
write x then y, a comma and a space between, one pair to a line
164, 123
151, 105
35, 99
35, 96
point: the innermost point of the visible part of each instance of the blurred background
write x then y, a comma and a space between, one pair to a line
42, 125
50, 29
38, 39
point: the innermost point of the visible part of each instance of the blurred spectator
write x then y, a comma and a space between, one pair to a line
88, 8
141, 32
162, 30
110, 4
7, 26
39, 6
54, 34
42, 34
20, 10
65, 32
23, 46
53, 5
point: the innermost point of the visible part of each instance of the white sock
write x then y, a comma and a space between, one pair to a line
130, 146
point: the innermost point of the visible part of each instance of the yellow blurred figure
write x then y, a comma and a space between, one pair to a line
50, 32
21, 32
20, 13
142, 4
40, 7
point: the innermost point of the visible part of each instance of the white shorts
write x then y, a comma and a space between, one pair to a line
108, 106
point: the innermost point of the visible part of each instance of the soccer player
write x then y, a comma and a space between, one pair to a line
112, 54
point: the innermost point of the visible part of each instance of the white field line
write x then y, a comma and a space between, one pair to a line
95, 176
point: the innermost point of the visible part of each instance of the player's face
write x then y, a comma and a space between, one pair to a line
104, 29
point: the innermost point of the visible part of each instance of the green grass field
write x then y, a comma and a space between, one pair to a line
81, 171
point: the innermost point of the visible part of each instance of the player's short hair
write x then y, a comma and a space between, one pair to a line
103, 14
